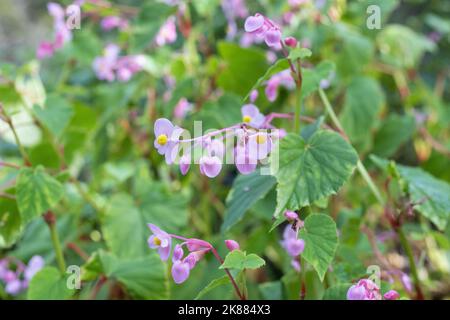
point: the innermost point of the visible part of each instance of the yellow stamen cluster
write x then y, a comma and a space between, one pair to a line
157, 241
161, 139
261, 138
246, 119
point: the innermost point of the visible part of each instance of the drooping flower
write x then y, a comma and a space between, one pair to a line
245, 161
293, 246
180, 271
185, 163
391, 295
265, 28
182, 108
62, 34
210, 166
290, 215
112, 22
232, 245
365, 289
16, 275
284, 79
167, 33
260, 145
160, 240
35, 264
252, 116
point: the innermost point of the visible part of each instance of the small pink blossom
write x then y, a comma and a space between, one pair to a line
167, 33
112, 22
391, 295
365, 289
232, 245
264, 28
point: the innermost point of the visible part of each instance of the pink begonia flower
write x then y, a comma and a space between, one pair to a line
180, 271
17, 279
232, 245
177, 253
283, 78
253, 95
291, 243
105, 65
35, 264
182, 108
45, 50
232, 10
245, 162
252, 116
391, 295
112, 22
365, 289
167, 33
62, 33
265, 28
210, 166
259, 145
160, 240
291, 215
111, 66
163, 130
185, 163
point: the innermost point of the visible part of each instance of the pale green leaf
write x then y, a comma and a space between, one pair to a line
320, 235
309, 171
49, 284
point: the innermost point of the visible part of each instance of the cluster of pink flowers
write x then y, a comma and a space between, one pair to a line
253, 145
232, 10
62, 33
167, 33
283, 79
16, 275
112, 22
293, 246
264, 28
181, 264
366, 289
111, 66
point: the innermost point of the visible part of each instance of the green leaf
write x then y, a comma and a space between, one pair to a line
56, 114
244, 66
144, 277
402, 47
320, 235
212, 285
246, 191
10, 222
299, 53
310, 129
277, 67
363, 101
49, 284
312, 77
356, 52
431, 194
37, 192
337, 292
308, 171
271, 290
122, 216
238, 259
394, 132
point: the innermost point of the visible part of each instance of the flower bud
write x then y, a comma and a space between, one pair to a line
391, 295
291, 215
232, 245
291, 42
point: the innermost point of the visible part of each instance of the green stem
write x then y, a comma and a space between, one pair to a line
362, 170
412, 264
298, 109
50, 218
19, 145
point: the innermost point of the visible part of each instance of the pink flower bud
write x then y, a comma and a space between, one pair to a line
291, 215
232, 245
291, 42
391, 295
